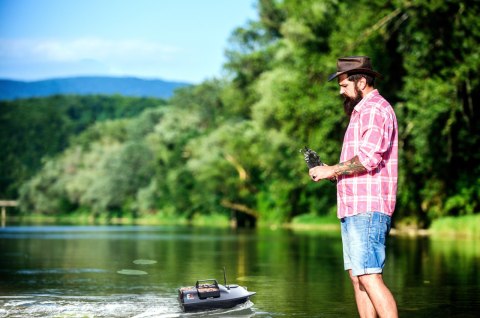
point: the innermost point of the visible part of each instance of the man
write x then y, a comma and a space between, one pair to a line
366, 183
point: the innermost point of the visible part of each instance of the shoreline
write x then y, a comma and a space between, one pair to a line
448, 227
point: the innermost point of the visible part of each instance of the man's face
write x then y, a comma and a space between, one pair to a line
350, 93
347, 88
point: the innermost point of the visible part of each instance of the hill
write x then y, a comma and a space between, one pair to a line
88, 85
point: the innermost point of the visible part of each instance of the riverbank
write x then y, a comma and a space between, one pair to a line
467, 226
80, 218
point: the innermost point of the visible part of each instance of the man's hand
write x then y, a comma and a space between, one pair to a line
322, 172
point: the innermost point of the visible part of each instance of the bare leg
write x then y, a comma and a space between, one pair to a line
379, 295
364, 304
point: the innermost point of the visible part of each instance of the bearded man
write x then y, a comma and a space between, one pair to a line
366, 183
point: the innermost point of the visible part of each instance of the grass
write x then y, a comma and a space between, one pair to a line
211, 220
85, 218
314, 222
465, 226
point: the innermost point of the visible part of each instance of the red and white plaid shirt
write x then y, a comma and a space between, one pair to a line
372, 134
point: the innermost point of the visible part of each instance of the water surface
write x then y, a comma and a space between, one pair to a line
135, 271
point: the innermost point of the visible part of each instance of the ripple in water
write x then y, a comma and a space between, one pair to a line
135, 306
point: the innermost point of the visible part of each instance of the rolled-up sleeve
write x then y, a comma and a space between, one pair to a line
376, 130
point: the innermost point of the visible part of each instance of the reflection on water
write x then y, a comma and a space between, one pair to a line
135, 271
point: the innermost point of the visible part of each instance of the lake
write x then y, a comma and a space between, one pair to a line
135, 271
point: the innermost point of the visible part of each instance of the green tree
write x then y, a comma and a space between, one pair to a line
36, 128
231, 145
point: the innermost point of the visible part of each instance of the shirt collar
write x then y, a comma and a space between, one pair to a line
359, 106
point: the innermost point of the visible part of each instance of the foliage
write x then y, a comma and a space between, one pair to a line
231, 146
36, 128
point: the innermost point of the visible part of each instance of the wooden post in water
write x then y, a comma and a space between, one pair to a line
4, 204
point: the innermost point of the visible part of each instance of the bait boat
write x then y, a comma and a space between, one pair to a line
208, 294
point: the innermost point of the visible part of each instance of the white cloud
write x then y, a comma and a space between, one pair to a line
34, 59
107, 51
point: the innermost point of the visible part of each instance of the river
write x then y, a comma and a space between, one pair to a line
135, 271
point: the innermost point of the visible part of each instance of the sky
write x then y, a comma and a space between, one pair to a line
176, 40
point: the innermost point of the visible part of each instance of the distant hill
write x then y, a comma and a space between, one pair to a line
88, 85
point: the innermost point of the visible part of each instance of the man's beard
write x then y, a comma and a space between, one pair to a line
349, 103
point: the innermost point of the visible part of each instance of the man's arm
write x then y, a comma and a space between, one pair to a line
349, 167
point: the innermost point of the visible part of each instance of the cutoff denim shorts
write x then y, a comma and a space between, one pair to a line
363, 237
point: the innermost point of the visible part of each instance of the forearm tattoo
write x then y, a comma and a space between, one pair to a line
349, 167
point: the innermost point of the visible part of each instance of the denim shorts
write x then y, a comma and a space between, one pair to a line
363, 238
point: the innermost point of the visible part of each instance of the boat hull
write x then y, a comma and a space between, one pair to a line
191, 300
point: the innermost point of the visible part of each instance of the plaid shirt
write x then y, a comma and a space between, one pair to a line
372, 134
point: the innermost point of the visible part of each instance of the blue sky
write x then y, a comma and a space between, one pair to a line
180, 40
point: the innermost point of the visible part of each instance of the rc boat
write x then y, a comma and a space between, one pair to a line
208, 294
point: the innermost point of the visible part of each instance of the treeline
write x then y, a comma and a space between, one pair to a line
35, 130
233, 144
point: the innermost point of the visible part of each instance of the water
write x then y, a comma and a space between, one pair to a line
135, 271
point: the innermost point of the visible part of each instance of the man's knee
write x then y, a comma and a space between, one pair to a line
370, 280
356, 282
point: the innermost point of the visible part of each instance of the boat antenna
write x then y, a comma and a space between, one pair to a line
225, 278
